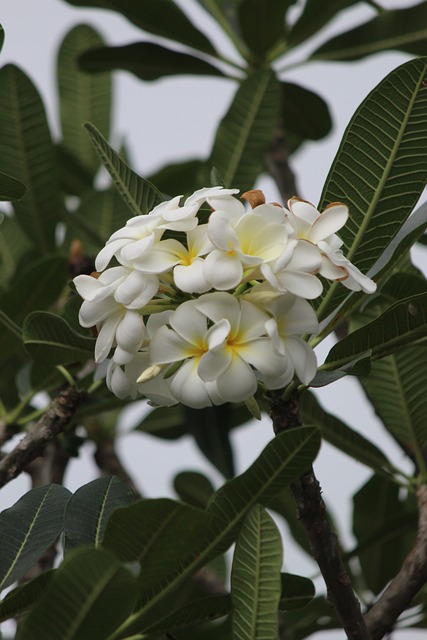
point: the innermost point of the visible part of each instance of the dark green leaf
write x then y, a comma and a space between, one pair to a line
246, 131
74, 178
90, 507
49, 338
401, 29
360, 366
377, 505
210, 429
313, 19
194, 488
262, 23
140, 195
284, 504
194, 613
26, 152
379, 171
402, 324
184, 177
82, 98
146, 60
340, 435
161, 17
24, 596
29, 528
88, 597
304, 113
297, 592
1, 37
10, 188
255, 578
14, 244
164, 422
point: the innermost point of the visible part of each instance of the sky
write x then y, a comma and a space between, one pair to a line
174, 119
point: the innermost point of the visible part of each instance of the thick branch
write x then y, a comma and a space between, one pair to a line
33, 444
277, 161
412, 576
323, 541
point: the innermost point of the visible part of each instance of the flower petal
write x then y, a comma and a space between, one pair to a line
303, 358
187, 386
222, 270
167, 346
238, 382
219, 305
190, 278
329, 222
189, 323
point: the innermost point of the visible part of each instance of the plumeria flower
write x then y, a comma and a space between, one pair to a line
295, 270
209, 194
293, 317
138, 236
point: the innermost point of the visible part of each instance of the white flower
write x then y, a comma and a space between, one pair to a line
293, 317
209, 194
243, 241
295, 270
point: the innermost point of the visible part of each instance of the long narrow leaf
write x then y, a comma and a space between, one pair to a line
26, 152
29, 528
312, 20
380, 170
10, 188
246, 131
139, 194
255, 578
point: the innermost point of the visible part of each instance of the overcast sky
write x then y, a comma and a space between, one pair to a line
175, 119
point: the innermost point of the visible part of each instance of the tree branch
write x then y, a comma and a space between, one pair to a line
109, 463
412, 576
323, 540
39, 434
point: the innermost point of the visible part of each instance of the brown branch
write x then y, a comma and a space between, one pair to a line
39, 434
412, 576
109, 463
323, 540
277, 162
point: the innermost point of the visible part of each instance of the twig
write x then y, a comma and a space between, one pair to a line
323, 540
46, 429
412, 576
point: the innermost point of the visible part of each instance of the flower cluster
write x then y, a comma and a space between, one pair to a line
201, 309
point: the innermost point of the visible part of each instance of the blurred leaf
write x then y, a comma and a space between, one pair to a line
262, 23
317, 616
376, 504
82, 98
284, 504
49, 338
210, 429
402, 324
284, 459
401, 29
13, 245
255, 578
297, 592
161, 17
246, 131
359, 366
88, 597
147, 60
28, 528
164, 422
184, 177
312, 20
304, 112
340, 435
139, 194
89, 509
193, 488
196, 612
26, 152
379, 171
1, 37
10, 188
24, 596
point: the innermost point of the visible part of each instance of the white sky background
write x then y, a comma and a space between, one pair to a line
174, 119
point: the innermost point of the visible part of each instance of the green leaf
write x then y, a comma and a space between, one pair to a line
82, 98
49, 338
90, 594
194, 613
340, 435
284, 459
73, 177
164, 422
10, 188
297, 592
26, 152
161, 17
89, 509
255, 578
304, 113
284, 504
312, 20
262, 23
193, 488
210, 429
24, 596
1, 37
185, 177
246, 131
139, 194
379, 171
376, 505
401, 29
147, 60
14, 244
403, 323
28, 528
